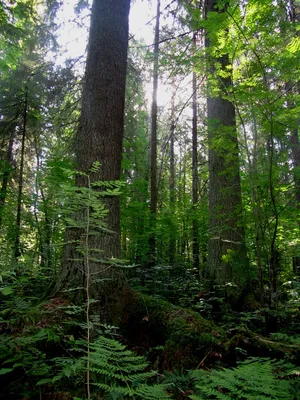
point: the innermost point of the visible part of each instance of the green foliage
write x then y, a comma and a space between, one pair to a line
179, 383
292, 289
283, 337
120, 373
266, 98
25, 343
255, 378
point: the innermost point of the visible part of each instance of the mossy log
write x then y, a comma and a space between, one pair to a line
176, 336
258, 345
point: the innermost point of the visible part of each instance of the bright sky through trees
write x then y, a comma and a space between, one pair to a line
73, 30
73, 34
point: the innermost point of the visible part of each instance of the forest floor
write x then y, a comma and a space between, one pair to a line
40, 341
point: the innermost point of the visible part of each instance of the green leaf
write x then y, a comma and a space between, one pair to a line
294, 45
44, 381
4, 371
6, 290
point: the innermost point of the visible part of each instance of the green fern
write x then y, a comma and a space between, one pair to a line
179, 382
152, 392
252, 379
120, 373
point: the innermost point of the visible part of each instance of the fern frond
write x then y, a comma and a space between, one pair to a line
124, 391
253, 378
153, 392
141, 377
121, 373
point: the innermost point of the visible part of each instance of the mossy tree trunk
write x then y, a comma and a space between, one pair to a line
226, 242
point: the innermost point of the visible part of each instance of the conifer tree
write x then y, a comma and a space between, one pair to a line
226, 231
99, 139
153, 144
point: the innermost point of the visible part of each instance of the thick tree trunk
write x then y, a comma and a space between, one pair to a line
294, 138
153, 143
226, 242
294, 134
99, 138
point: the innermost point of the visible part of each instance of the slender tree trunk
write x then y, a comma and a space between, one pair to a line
226, 242
99, 138
172, 244
254, 198
195, 173
182, 203
259, 233
17, 244
44, 228
295, 151
153, 185
6, 174
274, 260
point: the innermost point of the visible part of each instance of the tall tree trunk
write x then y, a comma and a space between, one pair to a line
6, 174
172, 244
153, 186
226, 242
295, 151
17, 244
294, 134
294, 138
184, 235
255, 201
44, 229
99, 138
274, 260
195, 173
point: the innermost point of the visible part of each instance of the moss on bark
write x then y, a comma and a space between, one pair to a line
182, 336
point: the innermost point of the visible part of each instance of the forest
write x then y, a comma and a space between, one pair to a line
150, 201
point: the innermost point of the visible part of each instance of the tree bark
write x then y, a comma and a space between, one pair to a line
6, 174
294, 138
172, 243
17, 244
99, 138
226, 242
153, 185
294, 134
195, 173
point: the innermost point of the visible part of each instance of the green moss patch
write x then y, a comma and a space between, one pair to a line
185, 336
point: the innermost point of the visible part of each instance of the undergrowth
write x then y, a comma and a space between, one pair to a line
49, 347
121, 374
255, 378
